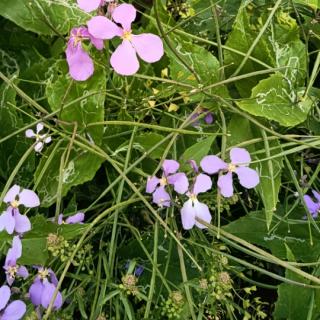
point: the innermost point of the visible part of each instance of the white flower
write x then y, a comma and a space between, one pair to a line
41, 139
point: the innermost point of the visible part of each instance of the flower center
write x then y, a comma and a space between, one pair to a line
163, 181
15, 204
43, 273
193, 197
126, 35
231, 167
11, 271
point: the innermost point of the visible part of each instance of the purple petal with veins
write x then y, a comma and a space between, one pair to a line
248, 177
179, 181
161, 197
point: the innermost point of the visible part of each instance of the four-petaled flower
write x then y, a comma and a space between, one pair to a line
11, 267
80, 63
192, 208
148, 46
169, 177
42, 290
11, 220
313, 207
41, 139
12, 311
240, 160
208, 116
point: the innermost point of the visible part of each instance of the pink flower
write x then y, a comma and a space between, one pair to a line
148, 46
80, 64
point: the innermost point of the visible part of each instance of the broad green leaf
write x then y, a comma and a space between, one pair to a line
270, 180
198, 150
34, 242
291, 299
312, 3
12, 149
253, 228
48, 17
205, 65
81, 167
275, 99
63, 90
279, 46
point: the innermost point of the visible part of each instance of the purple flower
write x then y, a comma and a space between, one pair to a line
11, 220
208, 119
42, 290
41, 139
124, 59
169, 177
11, 267
138, 270
240, 160
192, 208
313, 207
76, 218
14, 310
80, 63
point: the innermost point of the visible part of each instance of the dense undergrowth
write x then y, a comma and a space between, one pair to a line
159, 159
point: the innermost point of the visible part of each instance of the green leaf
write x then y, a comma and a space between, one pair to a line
44, 16
198, 150
148, 140
205, 65
291, 299
63, 90
253, 228
34, 242
275, 99
81, 167
270, 179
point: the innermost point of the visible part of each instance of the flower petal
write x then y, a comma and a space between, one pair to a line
76, 218
15, 252
7, 222
29, 198
23, 272
35, 292
203, 183
152, 183
161, 197
225, 185
98, 43
12, 194
47, 139
148, 46
124, 59
124, 14
188, 215
316, 195
88, 5
5, 294
240, 156
22, 223
311, 205
47, 295
179, 181
208, 119
14, 311
30, 133
38, 147
202, 212
102, 28
248, 177
170, 166
39, 127
80, 64
212, 164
